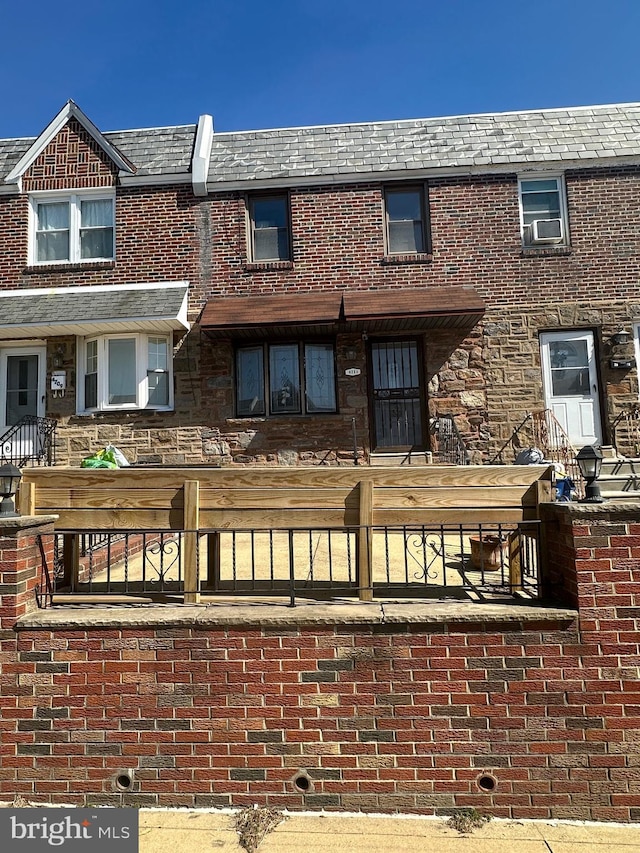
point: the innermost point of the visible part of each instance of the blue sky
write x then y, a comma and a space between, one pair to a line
281, 63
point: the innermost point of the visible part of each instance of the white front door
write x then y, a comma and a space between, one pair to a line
571, 384
22, 392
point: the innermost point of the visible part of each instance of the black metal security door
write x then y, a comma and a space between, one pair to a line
396, 385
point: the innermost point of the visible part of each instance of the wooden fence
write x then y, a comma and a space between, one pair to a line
210, 499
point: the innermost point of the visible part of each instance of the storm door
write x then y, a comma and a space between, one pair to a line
22, 381
571, 384
397, 397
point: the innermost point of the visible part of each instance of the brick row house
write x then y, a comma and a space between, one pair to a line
307, 295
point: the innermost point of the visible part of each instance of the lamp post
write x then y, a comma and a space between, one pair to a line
10, 476
589, 461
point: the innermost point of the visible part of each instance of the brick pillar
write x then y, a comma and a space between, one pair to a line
21, 564
593, 562
592, 555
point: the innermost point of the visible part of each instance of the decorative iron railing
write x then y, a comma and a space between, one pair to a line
446, 442
626, 428
542, 430
31, 441
473, 561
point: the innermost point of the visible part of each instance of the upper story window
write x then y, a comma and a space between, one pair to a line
406, 220
128, 371
282, 379
72, 228
269, 228
543, 211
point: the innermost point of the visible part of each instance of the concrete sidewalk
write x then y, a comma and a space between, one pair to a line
183, 831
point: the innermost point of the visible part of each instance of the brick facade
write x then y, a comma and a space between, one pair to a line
489, 377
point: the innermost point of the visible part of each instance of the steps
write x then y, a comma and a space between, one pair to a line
620, 480
396, 460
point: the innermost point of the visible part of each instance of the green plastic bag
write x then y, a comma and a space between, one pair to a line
102, 459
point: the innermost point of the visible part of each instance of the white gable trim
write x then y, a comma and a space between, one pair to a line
70, 110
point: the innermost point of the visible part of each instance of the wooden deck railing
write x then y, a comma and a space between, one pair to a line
209, 500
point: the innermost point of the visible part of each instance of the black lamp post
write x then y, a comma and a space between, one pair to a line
10, 476
589, 461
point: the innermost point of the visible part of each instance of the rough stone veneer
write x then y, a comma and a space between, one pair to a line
387, 707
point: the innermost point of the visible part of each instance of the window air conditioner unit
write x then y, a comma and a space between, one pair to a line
546, 231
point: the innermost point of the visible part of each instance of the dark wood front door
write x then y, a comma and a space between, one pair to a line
397, 395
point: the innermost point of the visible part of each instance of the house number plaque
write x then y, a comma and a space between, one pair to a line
352, 371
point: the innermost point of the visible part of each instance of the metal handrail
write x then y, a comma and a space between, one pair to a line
447, 442
38, 432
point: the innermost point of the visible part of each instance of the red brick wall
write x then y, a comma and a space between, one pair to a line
405, 719
337, 238
388, 717
21, 567
156, 240
72, 160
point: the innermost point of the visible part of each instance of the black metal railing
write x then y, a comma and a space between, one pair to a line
625, 428
31, 441
446, 442
472, 561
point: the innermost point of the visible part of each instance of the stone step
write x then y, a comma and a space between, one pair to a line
621, 467
396, 460
620, 496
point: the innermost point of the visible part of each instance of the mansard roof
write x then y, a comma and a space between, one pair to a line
583, 136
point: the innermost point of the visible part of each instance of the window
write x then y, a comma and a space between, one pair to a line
281, 379
72, 229
406, 221
269, 225
124, 372
543, 218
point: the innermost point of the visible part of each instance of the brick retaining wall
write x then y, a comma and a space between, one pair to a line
383, 707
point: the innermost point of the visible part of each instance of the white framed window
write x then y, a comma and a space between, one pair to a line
543, 210
406, 220
269, 228
72, 228
285, 379
125, 371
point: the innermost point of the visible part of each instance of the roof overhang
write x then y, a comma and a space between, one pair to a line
373, 311
101, 309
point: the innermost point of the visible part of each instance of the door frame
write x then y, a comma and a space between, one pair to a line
38, 348
594, 372
404, 448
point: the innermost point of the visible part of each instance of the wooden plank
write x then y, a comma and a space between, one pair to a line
469, 517
191, 525
267, 478
309, 498
26, 502
116, 519
70, 560
365, 541
262, 519
94, 498
471, 497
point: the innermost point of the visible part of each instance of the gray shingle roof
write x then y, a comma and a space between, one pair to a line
494, 139
157, 150
82, 310
154, 151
